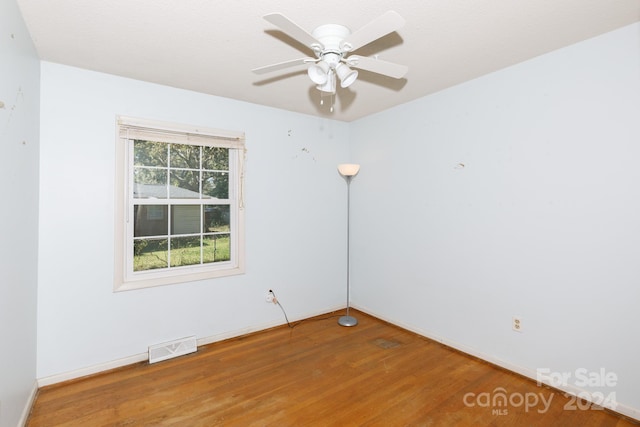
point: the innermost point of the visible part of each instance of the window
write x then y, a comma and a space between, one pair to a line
180, 212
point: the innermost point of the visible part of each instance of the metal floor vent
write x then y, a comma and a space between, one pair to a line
171, 349
383, 343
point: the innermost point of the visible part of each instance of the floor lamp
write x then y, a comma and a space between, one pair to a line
348, 171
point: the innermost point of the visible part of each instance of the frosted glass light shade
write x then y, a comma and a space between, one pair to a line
348, 169
347, 75
330, 84
318, 73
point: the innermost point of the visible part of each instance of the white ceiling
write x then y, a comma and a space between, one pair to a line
211, 46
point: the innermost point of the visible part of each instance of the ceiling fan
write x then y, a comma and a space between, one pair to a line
332, 45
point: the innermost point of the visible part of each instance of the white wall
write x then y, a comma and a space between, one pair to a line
19, 123
514, 194
517, 193
294, 220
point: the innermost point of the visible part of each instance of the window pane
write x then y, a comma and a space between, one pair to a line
185, 251
185, 156
184, 184
216, 248
215, 184
185, 219
149, 254
216, 218
215, 158
149, 183
149, 153
179, 198
150, 220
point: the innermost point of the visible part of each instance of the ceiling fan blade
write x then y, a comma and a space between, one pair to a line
377, 66
294, 30
282, 65
379, 27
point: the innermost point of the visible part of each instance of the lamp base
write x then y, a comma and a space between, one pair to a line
347, 321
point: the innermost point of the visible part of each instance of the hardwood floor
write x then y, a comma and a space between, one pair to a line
316, 374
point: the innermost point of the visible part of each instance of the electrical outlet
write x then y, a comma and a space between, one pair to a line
516, 323
271, 297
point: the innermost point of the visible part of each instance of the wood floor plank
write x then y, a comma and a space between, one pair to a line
315, 374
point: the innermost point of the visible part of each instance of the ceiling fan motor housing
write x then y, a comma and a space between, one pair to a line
330, 35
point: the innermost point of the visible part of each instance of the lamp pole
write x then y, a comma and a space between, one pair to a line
348, 171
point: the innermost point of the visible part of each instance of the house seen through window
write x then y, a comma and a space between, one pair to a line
182, 210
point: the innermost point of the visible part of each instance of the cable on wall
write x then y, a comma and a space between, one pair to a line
276, 301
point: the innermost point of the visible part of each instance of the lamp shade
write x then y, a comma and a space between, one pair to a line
347, 75
318, 73
330, 85
348, 169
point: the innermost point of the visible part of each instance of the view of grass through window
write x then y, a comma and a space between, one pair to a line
181, 205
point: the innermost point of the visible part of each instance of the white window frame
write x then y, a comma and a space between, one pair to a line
128, 129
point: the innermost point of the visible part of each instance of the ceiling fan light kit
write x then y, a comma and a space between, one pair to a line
331, 44
347, 75
329, 85
319, 72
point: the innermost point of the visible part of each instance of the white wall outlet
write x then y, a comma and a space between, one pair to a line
516, 323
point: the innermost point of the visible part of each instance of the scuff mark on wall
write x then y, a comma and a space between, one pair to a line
19, 97
305, 150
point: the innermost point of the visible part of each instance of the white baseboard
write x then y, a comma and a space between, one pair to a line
529, 373
141, 357
628, 411
27, 407
257, 328
90, 370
